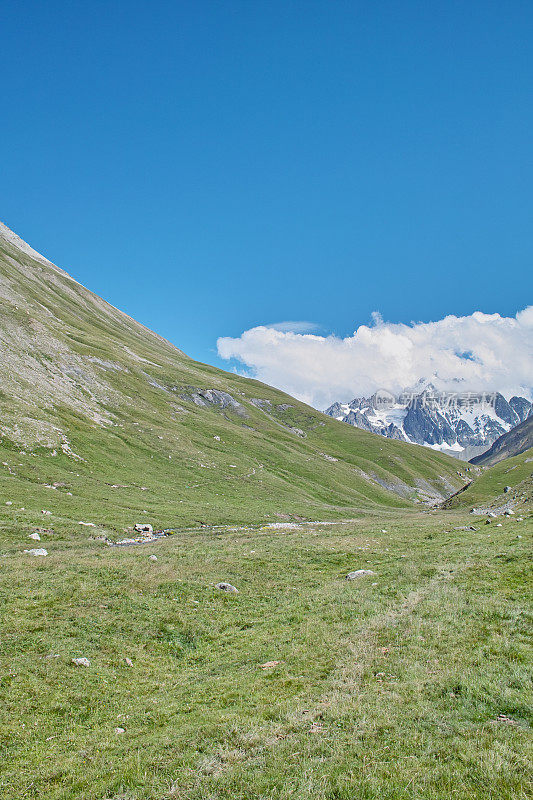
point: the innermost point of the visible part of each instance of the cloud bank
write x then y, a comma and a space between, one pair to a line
478, 352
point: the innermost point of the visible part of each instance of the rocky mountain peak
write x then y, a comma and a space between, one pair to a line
462, 423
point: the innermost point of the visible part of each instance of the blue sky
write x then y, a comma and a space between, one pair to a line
213, 166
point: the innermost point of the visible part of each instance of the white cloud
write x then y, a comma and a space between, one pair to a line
479, 352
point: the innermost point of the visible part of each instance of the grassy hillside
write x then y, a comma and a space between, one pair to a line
487, 489
129, 427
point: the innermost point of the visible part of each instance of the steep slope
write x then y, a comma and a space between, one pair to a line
105, 420
506, 485
512, 443
464, 424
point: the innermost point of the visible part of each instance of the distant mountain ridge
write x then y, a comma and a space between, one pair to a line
513, 443
464, 424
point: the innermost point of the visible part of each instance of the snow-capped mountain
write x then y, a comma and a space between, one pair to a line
463, 424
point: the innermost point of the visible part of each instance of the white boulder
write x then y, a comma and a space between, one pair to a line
359, 573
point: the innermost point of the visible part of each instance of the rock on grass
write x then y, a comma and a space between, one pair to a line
81, 662
359, 573
227, 587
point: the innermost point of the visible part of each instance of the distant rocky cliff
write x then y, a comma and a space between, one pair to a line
464, 424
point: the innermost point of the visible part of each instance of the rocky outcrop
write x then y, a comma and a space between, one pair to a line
422, 424
215, 397
522, 407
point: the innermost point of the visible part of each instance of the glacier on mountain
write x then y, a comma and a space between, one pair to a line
463, 424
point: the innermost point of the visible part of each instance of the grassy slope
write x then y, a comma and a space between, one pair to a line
389, 688
488, 487
159, 440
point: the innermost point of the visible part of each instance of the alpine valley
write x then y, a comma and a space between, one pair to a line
211, 591
463, 424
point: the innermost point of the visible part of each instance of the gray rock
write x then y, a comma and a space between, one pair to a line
38, 551
227, 587
521, 407
143, 527
423, 423
298, 432
35, 537
359, 573
505, 411
81, 662
264, 404
152, 558
507, 489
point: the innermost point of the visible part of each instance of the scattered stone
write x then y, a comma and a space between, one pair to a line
509, 512
383, 530
81, 662
270, 664
9, 503
120, 730
152, 558
128, 662
298, 432
38, 551
289, 526
35, 537
359, 573
487, 522
87, 524
143, 527
499, 525
227, 587
43, 511
506, 489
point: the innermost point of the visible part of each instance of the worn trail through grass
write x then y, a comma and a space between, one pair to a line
413, 682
